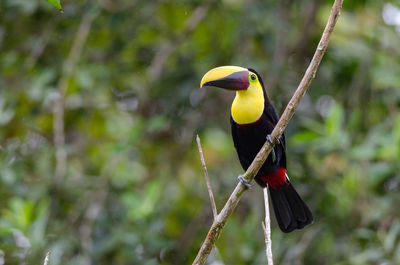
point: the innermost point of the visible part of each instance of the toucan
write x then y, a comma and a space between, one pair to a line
253, 117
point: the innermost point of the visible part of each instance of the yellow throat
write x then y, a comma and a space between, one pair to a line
248, 105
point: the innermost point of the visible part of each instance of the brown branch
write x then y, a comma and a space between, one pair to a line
262, 155
59, 104
210, 192
267, 229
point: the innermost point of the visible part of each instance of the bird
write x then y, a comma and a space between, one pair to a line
252, 119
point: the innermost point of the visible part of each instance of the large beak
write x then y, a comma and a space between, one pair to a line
227, 77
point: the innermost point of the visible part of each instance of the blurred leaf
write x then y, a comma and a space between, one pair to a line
334, 120
142, 205
19, 214
55, 3
304, 137
363, 152
379, 172
392, 237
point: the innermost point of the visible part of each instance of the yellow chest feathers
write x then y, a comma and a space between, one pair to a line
248, 105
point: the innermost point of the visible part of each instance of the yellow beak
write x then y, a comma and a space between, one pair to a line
227, 77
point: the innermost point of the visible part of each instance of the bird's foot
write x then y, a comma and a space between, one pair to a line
244, 181
269, 139
272, 151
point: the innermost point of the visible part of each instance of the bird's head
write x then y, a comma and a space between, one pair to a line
248, 104
233, 78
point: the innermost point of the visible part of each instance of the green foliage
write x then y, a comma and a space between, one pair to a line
134, 192
55, 3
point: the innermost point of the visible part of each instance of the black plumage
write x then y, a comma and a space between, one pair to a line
249, 138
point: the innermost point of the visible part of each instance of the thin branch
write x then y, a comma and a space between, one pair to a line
267, 229
262, 155
47, 258
59, 104
210, 192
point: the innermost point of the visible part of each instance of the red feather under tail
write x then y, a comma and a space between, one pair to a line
291, 212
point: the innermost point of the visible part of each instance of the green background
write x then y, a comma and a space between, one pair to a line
133, 191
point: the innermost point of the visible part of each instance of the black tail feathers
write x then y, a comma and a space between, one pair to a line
290, 210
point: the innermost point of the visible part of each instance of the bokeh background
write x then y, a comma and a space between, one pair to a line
100, 105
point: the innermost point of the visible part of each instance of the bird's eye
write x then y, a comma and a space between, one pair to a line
253, 77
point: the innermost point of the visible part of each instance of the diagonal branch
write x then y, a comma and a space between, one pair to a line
210, 193
59, 104
262, 155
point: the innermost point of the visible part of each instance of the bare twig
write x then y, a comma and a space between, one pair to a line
47, 258
267, 229
59, 108
262, 155
210, 193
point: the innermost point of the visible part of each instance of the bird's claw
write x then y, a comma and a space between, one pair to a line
273, 156
244, 181
270, 140
272, 151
